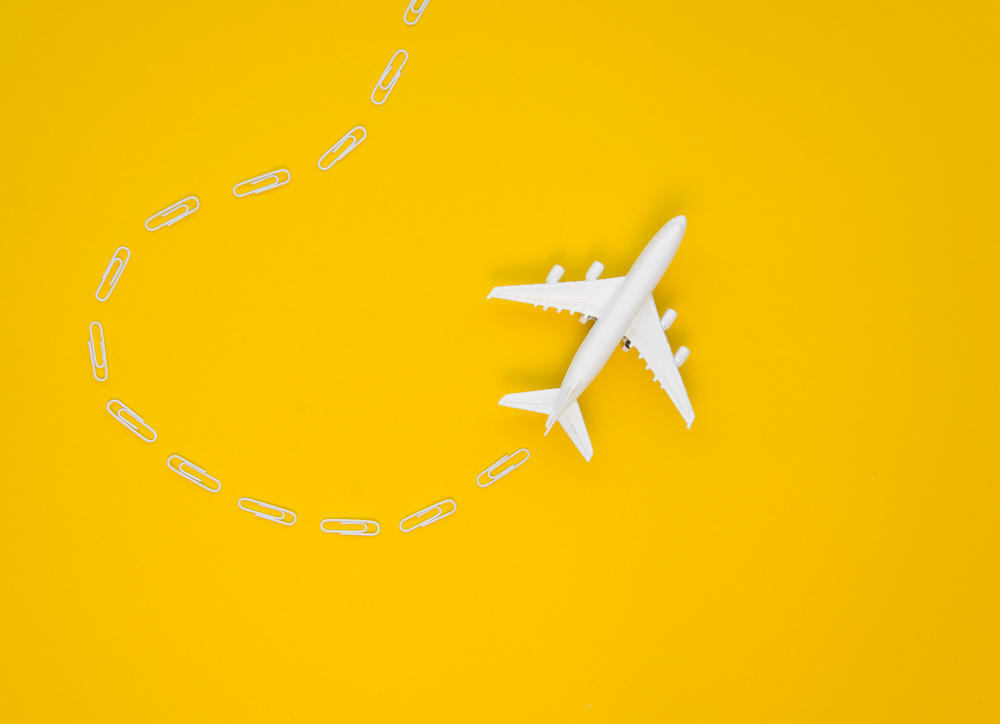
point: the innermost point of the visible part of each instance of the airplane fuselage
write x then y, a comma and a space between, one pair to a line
621, 312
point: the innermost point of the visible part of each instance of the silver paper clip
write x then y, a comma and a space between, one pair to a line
338, 144
117, 409
440, 507
411, 9
276, 175
181, 462
364, 530
115, 275
488, 472
188, 209
392, 83
94, 344
267, 516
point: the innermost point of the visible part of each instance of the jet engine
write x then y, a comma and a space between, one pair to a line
555, 275
681, 355
596, 269
667, 319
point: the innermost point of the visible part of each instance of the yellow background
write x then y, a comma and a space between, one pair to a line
820, 546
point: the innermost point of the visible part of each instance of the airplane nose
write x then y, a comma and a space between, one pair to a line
668, 239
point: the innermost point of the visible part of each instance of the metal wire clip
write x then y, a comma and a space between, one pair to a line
392, 83
488, 472
189, 476
172, 208
440, 507
116, 275
276, 175
266, 516
119, 409
338, 144
350, 521
94, 344
411, 9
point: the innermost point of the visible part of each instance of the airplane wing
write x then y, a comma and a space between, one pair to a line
588, 298
648, 337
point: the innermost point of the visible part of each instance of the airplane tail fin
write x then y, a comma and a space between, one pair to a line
544, 401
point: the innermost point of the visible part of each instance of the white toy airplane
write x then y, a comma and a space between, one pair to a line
624, 309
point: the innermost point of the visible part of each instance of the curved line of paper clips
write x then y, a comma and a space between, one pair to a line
187, 469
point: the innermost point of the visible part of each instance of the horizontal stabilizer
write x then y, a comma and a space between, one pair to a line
543, 401
537, 401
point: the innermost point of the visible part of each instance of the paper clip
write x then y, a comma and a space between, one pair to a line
411, 9
276, 175
350, 521
171, 209
338, 144
265, 516
94, 344
120, 409
392, 83
437, 516
116, 257
488, 472
185, 474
